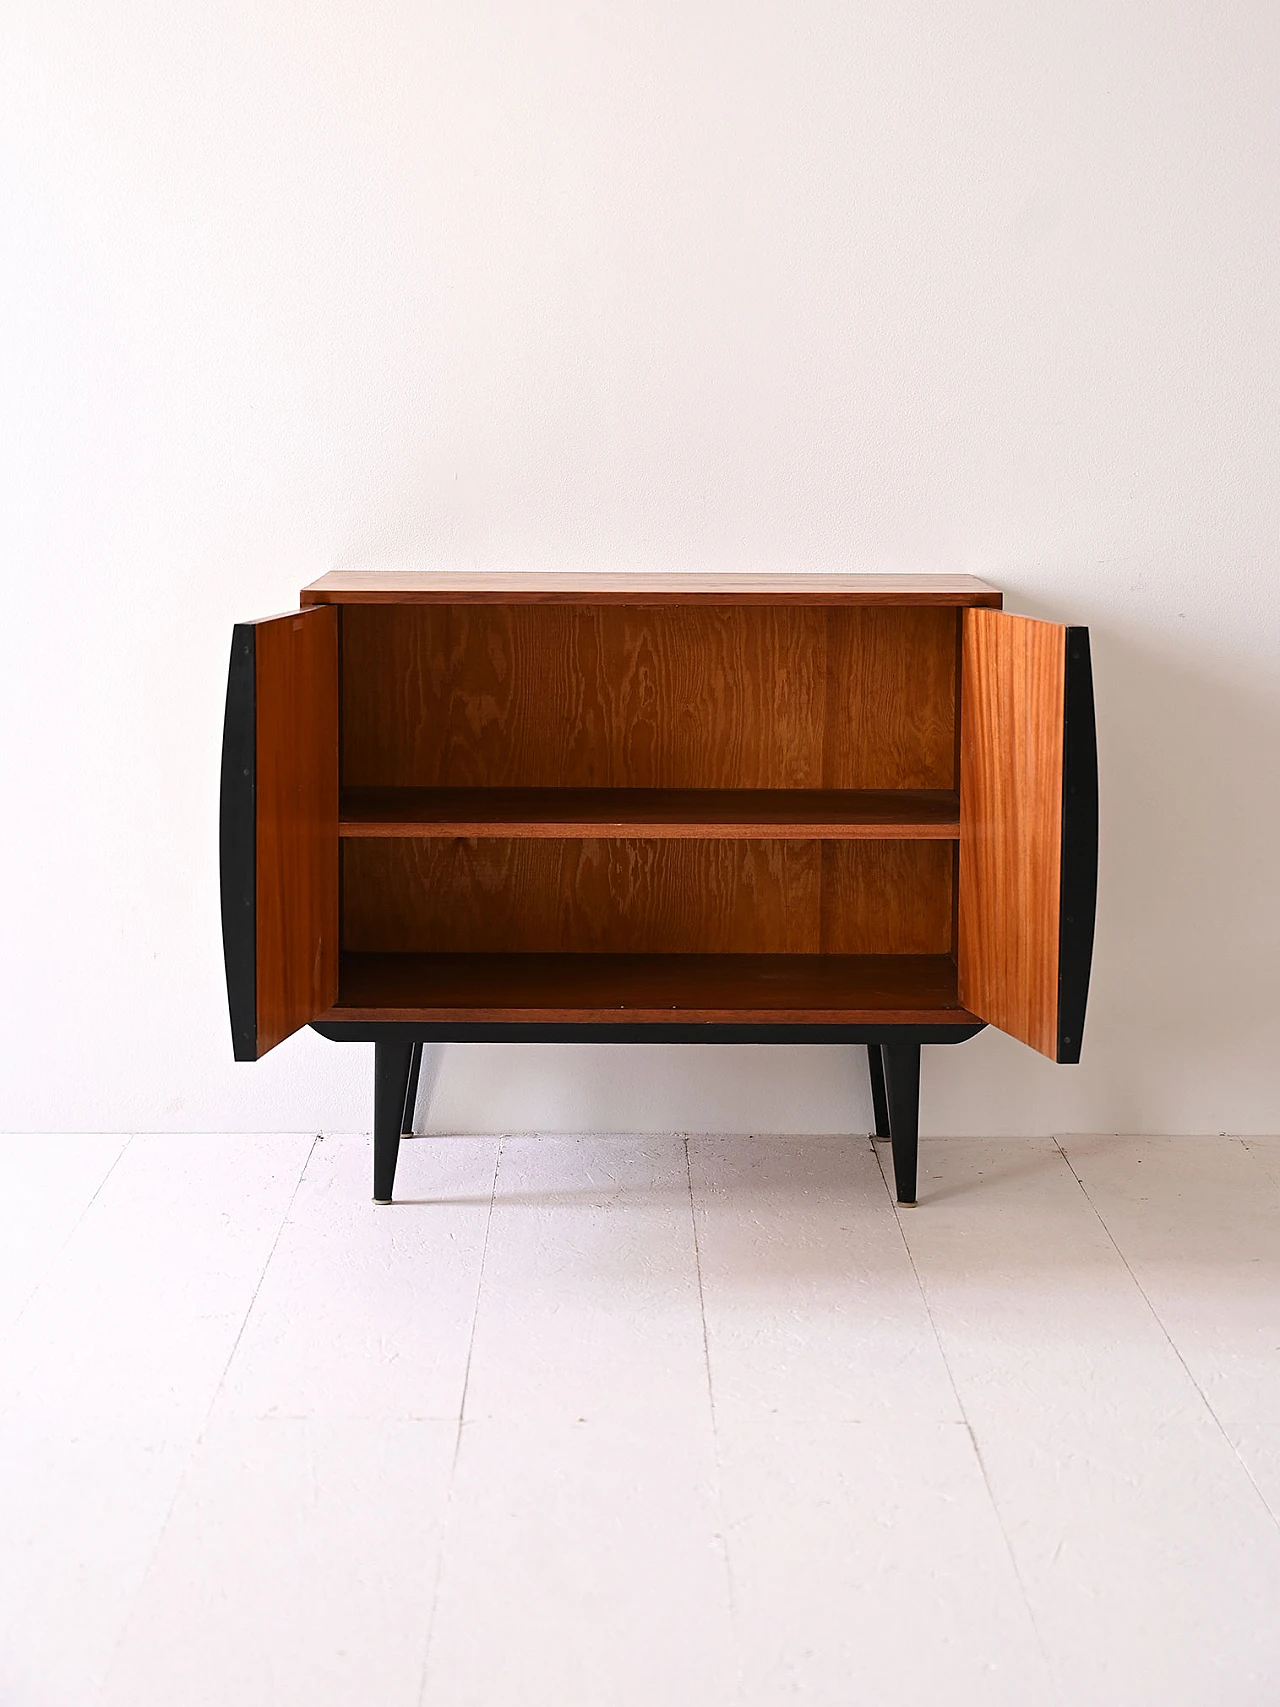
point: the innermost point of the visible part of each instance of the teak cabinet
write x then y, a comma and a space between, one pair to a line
687, 809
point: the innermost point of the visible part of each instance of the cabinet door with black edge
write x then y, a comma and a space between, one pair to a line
279, 826
1028, 828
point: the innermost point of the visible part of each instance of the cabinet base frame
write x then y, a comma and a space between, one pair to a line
893, 1054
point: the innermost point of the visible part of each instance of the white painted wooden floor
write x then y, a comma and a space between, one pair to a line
646, 1422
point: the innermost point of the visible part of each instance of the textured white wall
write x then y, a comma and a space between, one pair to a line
803, 284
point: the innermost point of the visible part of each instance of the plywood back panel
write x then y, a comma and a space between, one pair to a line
890, 712
887, 898
530, 897
672, 697
1011, 779
646, 897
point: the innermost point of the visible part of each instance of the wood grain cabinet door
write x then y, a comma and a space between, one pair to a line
279, 826
1028, 828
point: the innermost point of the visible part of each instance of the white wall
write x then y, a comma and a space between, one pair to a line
810, 284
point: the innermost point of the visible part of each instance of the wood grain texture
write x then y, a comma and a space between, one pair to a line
889, 717
886, 898
399, 586
581, 697
297, 820
838, 814
605, 697
591, 988
581, 897
647, 896
1012, 709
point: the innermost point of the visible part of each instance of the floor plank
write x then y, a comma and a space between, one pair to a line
1150, 1563
1198, 1222
50, 1180
138, 1314
590, 1300
813, 1311
82, 1507
296, 1570
583, 1568
868, 1566
107, 1377
367, 1311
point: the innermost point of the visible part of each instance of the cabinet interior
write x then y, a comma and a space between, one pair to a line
675, 780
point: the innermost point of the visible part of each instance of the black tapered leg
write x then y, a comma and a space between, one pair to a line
392, 1065
411, 1095
879, 1105
902, 1084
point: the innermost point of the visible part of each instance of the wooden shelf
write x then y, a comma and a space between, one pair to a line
641, 588
769, 989
931, 814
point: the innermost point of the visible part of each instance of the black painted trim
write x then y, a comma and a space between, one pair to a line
379, 1031
237, 843
1079, 885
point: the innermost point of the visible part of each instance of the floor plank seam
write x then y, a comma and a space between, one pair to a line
725, 1561
71, 1233
697, 1266
1256, 1148
475, 1309
1170, 1342
275, 1244
1041, 1644
446, 1523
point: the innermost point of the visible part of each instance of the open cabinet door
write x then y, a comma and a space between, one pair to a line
1028, 828
279, 826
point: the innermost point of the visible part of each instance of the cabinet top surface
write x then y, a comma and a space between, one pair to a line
527, 586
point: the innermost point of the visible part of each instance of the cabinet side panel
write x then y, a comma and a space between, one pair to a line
237, 854
1011, 778
297, 821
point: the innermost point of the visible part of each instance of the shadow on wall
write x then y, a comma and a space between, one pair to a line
1187, 968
